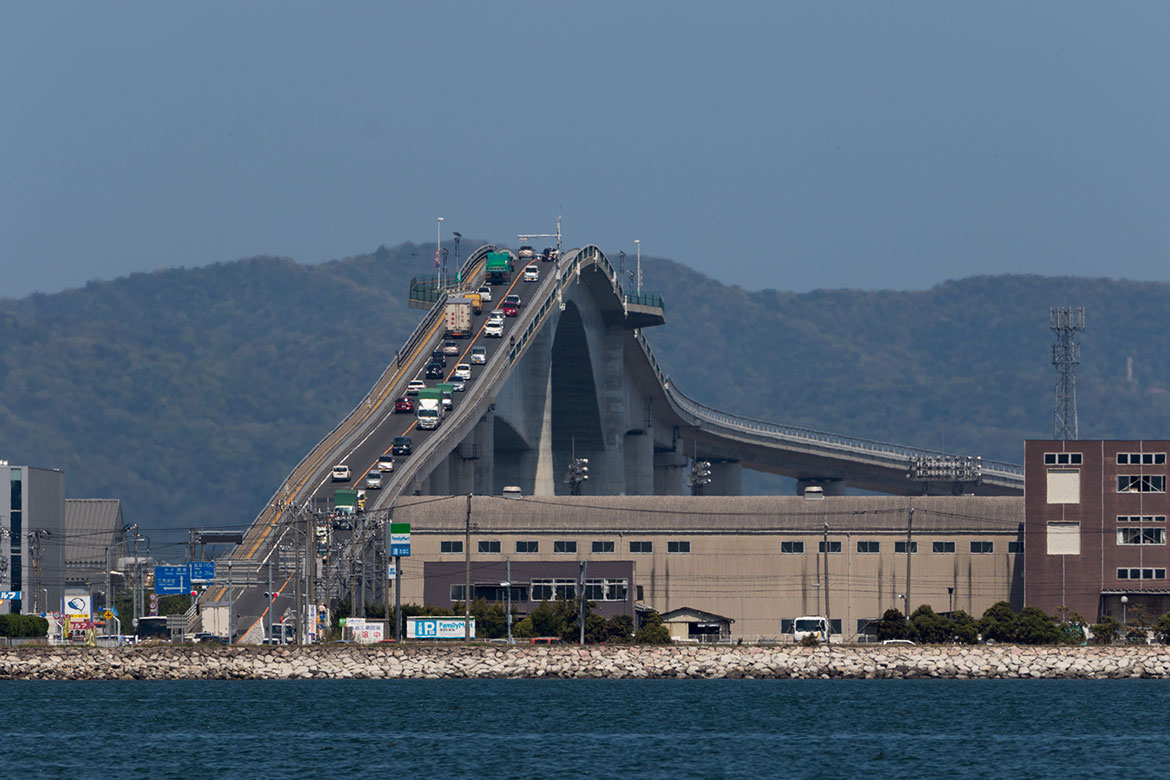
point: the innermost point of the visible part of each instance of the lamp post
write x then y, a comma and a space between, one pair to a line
458, 270
438, 243
1124, 601
638, 245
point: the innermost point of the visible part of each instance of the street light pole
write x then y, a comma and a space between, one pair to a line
438, 244
638, 244
458, 270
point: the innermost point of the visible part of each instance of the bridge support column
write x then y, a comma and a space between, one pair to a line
832, 487
726, 479
462, 470
669, 471
483, 444
638, 452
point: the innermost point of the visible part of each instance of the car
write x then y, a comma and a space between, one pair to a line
386, 463
548, 255
526, 253
374, 480
511, 310
462, 371
478, 356
513, 299
496, 315
414, 385
402, 446
341, 473
494, 329
458, 386
485, 293
404, 404
438, 356
532, 273
434, 371
450, 348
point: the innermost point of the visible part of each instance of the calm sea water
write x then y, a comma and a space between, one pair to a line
586, 728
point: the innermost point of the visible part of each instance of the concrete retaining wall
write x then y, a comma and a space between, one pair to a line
434, 662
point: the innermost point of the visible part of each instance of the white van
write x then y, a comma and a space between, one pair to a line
810, 625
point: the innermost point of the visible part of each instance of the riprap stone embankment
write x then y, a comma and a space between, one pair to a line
477, 661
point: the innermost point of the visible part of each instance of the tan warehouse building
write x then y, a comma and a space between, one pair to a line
753, 563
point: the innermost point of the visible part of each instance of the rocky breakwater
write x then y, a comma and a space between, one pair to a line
479, 661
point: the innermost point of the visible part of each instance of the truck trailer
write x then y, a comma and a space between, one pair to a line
458, 317
498, 268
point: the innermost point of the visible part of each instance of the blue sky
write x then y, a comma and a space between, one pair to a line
785, 145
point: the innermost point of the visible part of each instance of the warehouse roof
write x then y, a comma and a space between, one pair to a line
91, 525
712, 514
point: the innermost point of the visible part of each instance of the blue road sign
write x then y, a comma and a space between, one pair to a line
400, 550
9, 595
201, 571
171, 580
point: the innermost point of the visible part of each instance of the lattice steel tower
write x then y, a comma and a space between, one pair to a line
1065, 322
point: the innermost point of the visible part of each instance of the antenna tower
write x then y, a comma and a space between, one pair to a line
1065, 322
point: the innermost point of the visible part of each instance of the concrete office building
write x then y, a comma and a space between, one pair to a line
1095, 536
750, 564
32, 538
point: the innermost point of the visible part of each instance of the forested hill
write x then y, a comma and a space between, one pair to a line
191, 393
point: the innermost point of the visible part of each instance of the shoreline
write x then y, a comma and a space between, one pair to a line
162, 662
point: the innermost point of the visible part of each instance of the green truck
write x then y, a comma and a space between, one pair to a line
345, 502
498, 268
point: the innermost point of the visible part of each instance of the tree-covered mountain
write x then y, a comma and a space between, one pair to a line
191, 393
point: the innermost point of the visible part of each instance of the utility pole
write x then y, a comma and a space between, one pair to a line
909, 552
508, 576
298, 623
467, 574
581, 607
137, 579
825, 574
231, 606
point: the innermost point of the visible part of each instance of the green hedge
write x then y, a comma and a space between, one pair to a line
23, 626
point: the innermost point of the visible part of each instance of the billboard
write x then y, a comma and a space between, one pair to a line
364, 631
78, 605
436, 628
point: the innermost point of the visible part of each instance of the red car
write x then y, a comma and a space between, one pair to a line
403, 404
510, 310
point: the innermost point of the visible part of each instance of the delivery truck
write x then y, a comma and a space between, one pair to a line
458, 317
498, 267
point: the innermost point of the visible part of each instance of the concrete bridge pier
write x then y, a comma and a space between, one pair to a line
670, 470
726, 479
483, 450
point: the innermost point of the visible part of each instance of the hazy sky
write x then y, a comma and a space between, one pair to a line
792, 145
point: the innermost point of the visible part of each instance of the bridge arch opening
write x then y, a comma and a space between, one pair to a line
575, 410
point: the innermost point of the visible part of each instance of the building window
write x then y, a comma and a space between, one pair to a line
642, 548
529, 547
1141, 536
786, 625
942, 547
457, 592
900, 548
1064, 538
869, 547
551, 589
835, 626
603, 547
792, 548
1015, 547
1141, 458
834, 547
1141, 518
1141, 574
678, 547
490, 547
982, 548
1063, 459
1064, 486
1141, 483
606, 590
565, 547
450, 547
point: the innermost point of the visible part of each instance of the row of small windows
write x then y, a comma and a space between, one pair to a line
1141, 518
548, 589
1141, 483
1141, 574
562, 547
870, 547
865, 547
1141, 458
1063, 459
